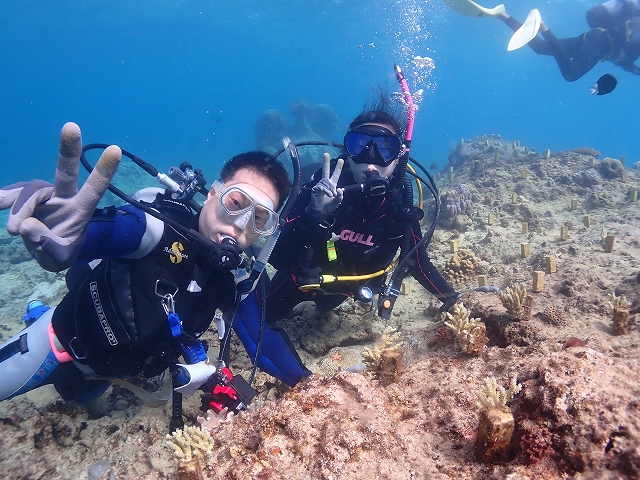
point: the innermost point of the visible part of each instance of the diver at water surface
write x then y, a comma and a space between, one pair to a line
614, 36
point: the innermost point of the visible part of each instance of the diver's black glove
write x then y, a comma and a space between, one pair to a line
224, 390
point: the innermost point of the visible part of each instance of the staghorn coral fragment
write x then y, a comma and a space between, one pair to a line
617, 302
619, 307
372, 357
513, 298
494, 395
212, 421
470, 332
496, 423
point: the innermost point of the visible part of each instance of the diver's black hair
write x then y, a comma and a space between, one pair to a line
381, 110
263, 164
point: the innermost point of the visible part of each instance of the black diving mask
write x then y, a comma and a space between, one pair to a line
373, 144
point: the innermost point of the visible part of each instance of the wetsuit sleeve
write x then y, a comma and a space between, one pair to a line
426, 273
276, 355
114, 232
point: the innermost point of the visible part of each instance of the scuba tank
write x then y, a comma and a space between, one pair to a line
614, 12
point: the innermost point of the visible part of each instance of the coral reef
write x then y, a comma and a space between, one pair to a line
191, 442
534, 442
610, 168
324, 121
492, 147
317, 122
470, 332
270, 129
517, 302
587, 151
461, 267
454, 203
599, 198
576, 417
551, 315
587, 178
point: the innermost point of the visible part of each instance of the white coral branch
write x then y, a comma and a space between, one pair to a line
617, 302
463, 327
513, 299
494, 395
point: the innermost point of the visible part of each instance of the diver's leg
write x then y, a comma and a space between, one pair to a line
327, 302
26, 359
282, 295
269, 347
576, 56
27, 362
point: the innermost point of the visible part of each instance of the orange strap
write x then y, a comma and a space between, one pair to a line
61, 355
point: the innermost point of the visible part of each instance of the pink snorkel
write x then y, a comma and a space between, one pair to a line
411, 112
387, 299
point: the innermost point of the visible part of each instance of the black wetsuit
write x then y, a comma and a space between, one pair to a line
113, 319
578, 55
367, 236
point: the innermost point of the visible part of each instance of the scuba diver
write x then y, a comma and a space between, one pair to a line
146, 278
351, 221
614, 36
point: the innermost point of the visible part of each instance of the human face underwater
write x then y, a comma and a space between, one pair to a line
372, 147
241, 208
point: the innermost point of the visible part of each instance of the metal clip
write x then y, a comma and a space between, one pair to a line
168, 303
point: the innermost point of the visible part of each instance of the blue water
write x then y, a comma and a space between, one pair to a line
187, 80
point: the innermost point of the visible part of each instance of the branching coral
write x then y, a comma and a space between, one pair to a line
371, 356
617, 302
514, 299
470, 332
494, 395
191, 442
619, 307
496, 423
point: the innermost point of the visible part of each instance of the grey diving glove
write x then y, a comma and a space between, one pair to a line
325, 197
52, 219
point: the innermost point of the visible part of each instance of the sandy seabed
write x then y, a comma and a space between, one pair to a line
577, 415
